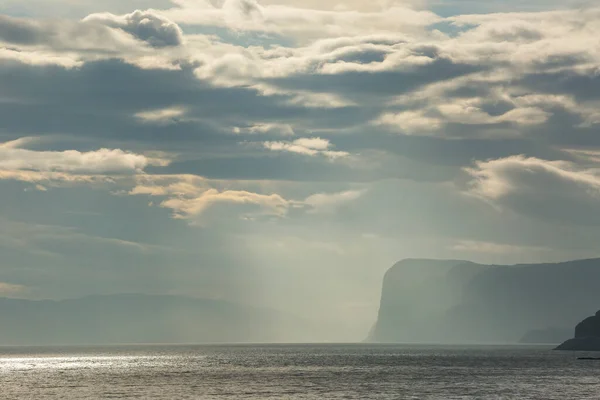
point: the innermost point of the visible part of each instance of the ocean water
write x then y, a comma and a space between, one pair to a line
296, 372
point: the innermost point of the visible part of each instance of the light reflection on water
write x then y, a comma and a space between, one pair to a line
302, 372
78, 362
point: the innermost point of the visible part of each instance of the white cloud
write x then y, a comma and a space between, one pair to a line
496, 179
162, 116
64, 36
328, 202
307, 146
266, 128
272, 204
313, 143
302, 23
100, 161
410, 122
191, 196
553, 190
147, 26
53, 178
70, 166
170, 185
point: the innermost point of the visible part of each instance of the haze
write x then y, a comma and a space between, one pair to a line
283, 155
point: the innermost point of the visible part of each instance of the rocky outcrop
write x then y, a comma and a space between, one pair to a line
587, 336
447, 301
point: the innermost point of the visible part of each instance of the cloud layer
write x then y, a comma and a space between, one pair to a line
239, 146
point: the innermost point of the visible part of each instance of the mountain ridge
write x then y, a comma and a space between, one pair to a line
139, 318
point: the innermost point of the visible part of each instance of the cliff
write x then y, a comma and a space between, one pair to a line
587, 336
440, 301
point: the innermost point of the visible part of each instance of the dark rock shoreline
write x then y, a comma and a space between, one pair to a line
587, 336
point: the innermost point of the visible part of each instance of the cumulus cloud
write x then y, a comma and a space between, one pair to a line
307, 146
555, 190
55, 168
300, 22
65, 36
191, 196
148, 26
328, 202
272, 204
96, 162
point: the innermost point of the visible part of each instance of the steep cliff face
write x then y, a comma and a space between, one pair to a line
462, 302
415, 296
588, 327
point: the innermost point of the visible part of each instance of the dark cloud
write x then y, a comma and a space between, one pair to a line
584, 85
384, 83
18, 31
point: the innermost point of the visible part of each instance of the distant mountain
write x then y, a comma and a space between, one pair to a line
441, 301
138, 318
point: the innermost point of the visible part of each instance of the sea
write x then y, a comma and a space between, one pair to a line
342, 371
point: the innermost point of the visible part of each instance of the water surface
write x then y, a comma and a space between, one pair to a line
296, 372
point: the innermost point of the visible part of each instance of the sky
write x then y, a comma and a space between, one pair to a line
285, 153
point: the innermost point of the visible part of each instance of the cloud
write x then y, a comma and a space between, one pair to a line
8, 289
552, 190
147, 26
103, 161
266, 128
71, 167
272, 204
62, 37
326, 203
162, 116
307, 146
300, 22
191, 196
410, 122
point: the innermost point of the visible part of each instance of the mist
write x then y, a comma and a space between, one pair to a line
458, 302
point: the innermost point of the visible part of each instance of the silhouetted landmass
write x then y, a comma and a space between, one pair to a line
433, 301
137, 319
587, 336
